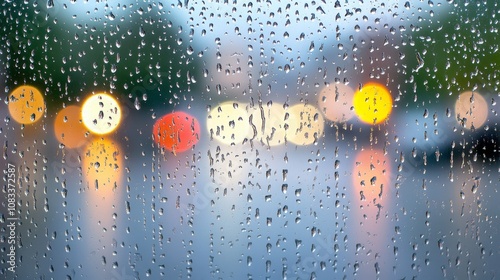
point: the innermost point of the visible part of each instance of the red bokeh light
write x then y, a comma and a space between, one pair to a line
176, 132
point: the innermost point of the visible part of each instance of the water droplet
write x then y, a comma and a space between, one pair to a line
137, 104
142, 32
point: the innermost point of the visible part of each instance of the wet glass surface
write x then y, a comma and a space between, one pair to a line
249, 140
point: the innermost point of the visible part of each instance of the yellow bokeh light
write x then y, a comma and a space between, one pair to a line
268, 124
101, 113
102, 165
372, 103
26, 105
68, 127
371, 175
335, 102
228, 123
471, 110
305, 124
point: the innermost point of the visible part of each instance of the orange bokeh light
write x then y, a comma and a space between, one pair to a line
26, 104
371, 176
68, 127
102, 165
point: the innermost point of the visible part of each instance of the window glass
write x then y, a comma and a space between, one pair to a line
228, 139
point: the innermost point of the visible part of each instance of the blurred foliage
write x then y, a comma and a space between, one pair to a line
133, 51
460, 51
